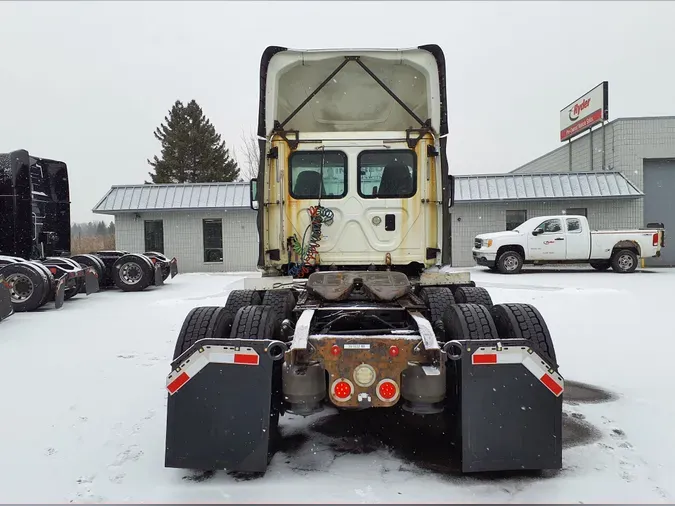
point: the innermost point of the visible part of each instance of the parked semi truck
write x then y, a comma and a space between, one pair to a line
35, 252
352, 310
566, 239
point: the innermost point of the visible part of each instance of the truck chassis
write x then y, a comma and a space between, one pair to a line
365, 340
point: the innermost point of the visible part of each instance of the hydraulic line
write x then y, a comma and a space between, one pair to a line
318, 215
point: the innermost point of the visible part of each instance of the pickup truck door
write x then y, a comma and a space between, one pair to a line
577, 239
549, 244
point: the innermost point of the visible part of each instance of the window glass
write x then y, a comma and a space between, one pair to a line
573, 225
387, 174
515, 218
154, 236
579, 211
213, 240
306, 169
551, 226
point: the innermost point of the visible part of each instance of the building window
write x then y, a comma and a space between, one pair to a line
318, 174
579, 211
387, 174
515, 218
213, 240
154, 236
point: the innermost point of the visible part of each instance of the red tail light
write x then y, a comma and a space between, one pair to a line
342, 389
655, 239
387, 390
52, 270
394, 351
154, 260
335, 350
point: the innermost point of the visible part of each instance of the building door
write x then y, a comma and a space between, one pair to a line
659, 205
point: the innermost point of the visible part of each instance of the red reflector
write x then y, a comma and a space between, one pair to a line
154, 260
52, 270
393, 351
387, 390
178, 382
490, 358
335, 350
342, 390
240, 358
551, 384
655, 239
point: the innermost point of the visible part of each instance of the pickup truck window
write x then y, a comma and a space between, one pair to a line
551, 226
387, 174
574, 225
306, 169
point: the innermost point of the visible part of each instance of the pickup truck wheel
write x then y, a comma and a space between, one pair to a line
624, 261
524, 321
600, 266
510, 262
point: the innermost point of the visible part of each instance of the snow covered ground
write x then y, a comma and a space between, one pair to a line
83, 405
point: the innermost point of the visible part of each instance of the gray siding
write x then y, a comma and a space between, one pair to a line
482, 218
183, 238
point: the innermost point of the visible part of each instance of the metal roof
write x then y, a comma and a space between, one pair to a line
566, 185
174, 197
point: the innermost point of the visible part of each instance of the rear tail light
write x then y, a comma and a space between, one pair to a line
52, 270
342, 389
394, 351
387, 390
335, 350
655, 239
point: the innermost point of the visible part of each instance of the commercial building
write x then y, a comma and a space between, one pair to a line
207, 227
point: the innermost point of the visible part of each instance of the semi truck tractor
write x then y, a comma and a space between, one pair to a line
356, 307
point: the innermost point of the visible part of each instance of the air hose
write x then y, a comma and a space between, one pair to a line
318, 215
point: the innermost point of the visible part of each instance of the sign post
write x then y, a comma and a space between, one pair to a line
585, 112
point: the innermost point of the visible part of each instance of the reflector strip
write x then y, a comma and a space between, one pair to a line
525, 356
209, 355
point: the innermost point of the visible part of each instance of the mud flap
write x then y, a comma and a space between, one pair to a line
173, 266
219, 405
60, 292
509, 406
6, 307
159, 281
90, 281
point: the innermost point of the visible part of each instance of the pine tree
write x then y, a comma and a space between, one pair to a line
111, 228
192, 150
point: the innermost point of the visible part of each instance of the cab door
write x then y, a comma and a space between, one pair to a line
547, 241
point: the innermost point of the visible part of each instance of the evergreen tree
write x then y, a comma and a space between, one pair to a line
192, 150
111, 228
101, 229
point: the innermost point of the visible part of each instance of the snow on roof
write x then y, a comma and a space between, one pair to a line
183, 197
566, 185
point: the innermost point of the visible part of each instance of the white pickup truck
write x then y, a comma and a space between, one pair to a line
566, 239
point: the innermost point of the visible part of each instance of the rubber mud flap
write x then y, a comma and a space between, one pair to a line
219, 418
507, 415
159, 280
90, 280
173, 265
6, 307
60, 294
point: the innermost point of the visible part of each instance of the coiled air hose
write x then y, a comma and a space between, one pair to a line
318, 215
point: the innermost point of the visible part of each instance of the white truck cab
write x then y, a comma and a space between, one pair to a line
568, 239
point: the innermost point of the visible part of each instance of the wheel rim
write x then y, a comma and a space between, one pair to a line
625, 262
511, 263
131, 273
20, 287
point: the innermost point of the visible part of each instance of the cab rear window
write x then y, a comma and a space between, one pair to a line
318, 174
387, 174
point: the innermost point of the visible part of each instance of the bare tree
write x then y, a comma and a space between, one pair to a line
251, 156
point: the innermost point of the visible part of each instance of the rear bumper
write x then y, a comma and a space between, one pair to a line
485, 259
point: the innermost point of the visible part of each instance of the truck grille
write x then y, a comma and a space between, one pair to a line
478, 243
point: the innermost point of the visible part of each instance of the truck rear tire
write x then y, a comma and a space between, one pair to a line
253, 322
469, 321
50, 282
132, 273
510, 262
282, 303
94, 262
473, 295
624, 261
524, 321
438, 300
235, 301
28, 286
207, 322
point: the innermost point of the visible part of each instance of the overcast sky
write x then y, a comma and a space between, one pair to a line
88, 82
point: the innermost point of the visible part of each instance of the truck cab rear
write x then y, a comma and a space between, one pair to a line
353, 195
